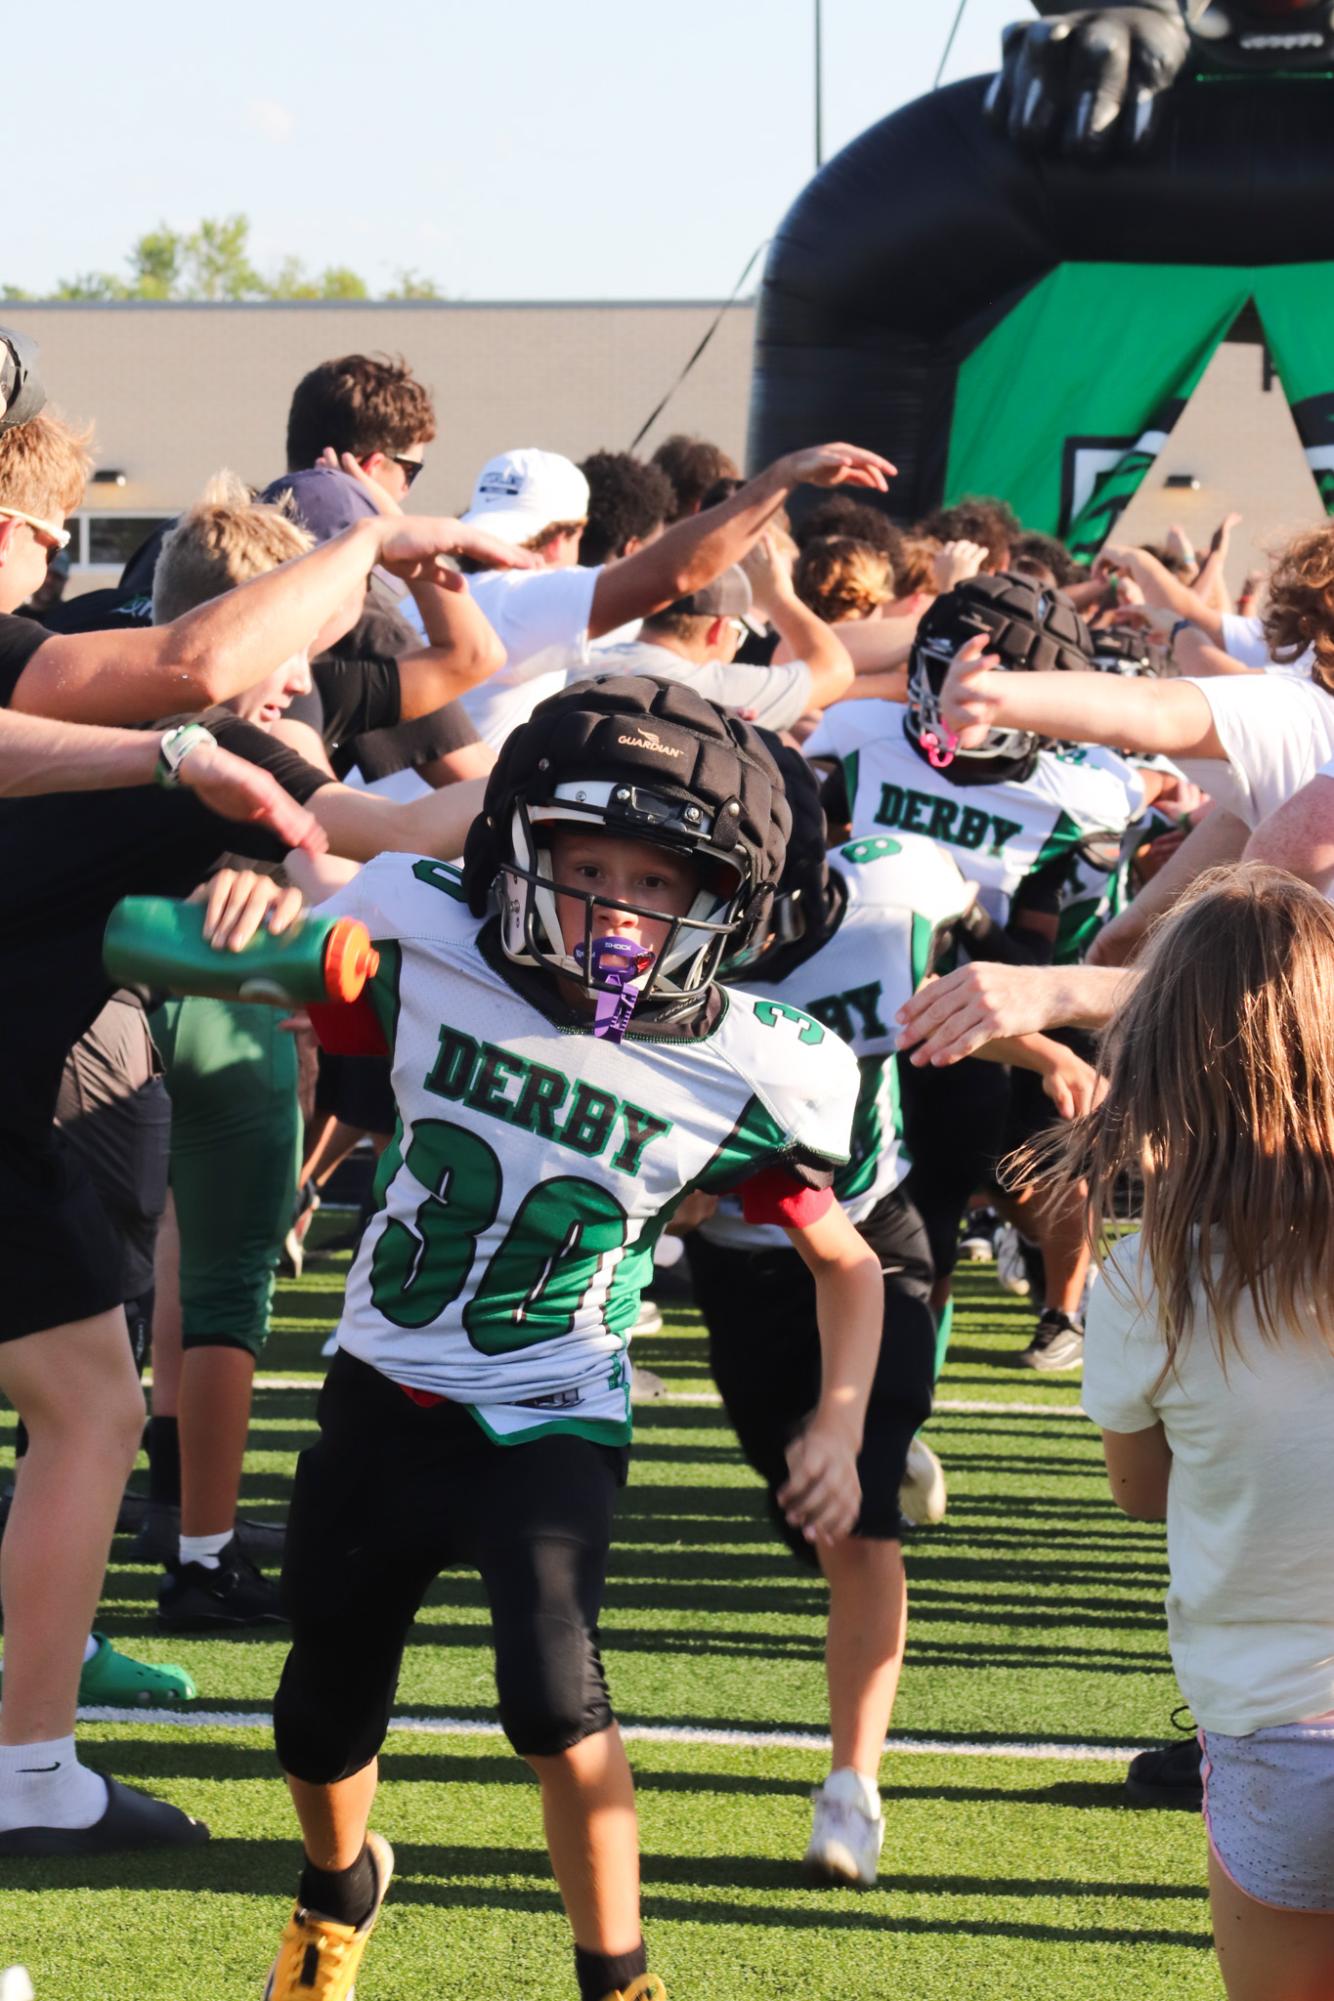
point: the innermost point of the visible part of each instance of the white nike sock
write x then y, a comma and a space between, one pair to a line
44, 1785
90, 1646
205, 1549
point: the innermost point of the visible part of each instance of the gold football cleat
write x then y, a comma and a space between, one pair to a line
318, 1958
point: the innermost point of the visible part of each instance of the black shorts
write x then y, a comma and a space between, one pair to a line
62, 1258
389, 1496
1031, 1112
764, 1349
954, 1130
358, 1090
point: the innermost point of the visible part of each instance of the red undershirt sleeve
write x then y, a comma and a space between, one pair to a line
780, 1195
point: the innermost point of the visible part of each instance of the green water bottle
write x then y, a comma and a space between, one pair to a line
152, 941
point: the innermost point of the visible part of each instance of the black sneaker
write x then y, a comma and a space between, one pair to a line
979, 1237
158, 1540
1168, 1777
192, 1598
1057, 1344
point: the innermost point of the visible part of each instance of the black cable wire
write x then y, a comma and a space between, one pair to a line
716, 322
949, 44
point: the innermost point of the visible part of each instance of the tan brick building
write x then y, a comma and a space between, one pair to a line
176, 391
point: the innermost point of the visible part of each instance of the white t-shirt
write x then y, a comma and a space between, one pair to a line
1244, 639
541, 618
1277, 732
775, 696
1250, 1602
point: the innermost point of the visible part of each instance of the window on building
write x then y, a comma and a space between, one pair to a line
107, 541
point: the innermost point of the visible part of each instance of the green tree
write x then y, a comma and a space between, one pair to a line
412, 285
213, 262
216, 260
155, 264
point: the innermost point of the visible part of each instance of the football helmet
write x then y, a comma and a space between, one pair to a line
1028, 627
650, 761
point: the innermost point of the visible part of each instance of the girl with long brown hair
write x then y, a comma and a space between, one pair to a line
1209, 1366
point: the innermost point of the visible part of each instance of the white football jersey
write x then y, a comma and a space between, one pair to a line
902, 891
998, 834
535, 1165
1096, 890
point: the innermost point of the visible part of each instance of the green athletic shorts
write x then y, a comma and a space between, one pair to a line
235, 1155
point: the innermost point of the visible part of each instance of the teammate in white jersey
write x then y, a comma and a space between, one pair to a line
848, 945
1015, 814
566, 1073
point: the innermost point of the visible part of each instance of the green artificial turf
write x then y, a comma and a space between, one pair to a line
1035, 1616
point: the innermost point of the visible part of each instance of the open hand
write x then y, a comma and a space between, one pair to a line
1073, 1086
836, 465
237, 790
954, 562
414, 547
947, 1019
344, 462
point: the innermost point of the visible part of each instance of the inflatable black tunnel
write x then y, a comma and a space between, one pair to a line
1032, 327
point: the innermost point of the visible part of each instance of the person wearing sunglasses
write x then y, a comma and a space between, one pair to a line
369, 405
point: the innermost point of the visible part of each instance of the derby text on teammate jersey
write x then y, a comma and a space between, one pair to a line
946, 820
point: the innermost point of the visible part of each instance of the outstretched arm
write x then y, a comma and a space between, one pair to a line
1299, 837
984, 1002
39, 755
226, 645
1169, 717
693, 552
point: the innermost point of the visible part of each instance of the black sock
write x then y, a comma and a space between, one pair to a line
345, 1895
164, 1461
601, 1974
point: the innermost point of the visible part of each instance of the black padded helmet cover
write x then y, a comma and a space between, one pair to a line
650, 760
1030, 628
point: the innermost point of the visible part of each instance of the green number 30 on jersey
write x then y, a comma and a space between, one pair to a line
535, 1282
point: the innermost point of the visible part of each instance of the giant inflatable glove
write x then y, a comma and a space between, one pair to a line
1089, 79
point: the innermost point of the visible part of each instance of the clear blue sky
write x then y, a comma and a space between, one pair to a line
509, 149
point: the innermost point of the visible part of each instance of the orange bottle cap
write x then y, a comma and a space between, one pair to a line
349, 960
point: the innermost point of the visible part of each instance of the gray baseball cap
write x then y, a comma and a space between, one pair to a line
728, 596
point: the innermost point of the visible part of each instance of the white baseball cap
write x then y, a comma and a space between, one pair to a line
518, 494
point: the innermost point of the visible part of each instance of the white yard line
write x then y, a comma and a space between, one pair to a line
650, 1733
968, 1406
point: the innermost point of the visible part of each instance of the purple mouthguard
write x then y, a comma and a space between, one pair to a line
619, 967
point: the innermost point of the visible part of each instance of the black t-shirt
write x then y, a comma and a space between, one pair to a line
19, 640
65, 859
357, 705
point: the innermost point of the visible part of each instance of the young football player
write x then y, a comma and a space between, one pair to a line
566, 1072
1014, 812
848, 944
